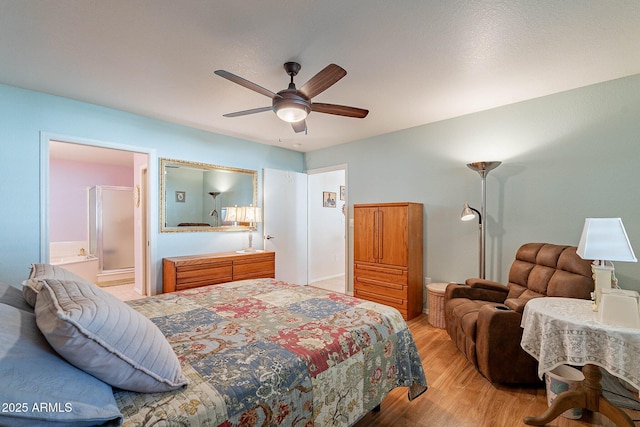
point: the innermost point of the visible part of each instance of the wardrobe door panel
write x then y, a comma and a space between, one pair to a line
365, 244
393, 242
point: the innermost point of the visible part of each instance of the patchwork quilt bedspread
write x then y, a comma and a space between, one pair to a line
264, 352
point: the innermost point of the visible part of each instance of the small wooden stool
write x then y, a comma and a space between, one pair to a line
435, 301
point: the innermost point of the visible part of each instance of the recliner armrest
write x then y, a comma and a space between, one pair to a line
487, 284
516, 304
475, 293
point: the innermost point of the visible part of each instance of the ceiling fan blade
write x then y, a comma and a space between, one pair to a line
246, 83
322, 81
247, 112
300, 126
339, 110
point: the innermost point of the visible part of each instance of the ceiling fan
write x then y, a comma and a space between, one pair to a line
294, 105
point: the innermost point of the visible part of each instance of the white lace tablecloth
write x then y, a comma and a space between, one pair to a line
561, 331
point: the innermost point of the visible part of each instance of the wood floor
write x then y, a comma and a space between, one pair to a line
459, 396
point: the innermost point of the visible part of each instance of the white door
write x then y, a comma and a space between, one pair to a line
285, 222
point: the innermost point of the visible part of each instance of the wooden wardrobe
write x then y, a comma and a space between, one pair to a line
388, 255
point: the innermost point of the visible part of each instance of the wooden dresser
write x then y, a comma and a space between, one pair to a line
186, 272
388, 255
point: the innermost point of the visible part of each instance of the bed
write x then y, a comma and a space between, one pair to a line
253, 352
264, 352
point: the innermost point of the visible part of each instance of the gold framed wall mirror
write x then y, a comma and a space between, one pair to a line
194, 196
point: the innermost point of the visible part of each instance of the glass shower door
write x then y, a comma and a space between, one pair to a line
117, 228
114, 231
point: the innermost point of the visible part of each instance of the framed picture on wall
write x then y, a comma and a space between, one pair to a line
342, 190
181, 196
328, 199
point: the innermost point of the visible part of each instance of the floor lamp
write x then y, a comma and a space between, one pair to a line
468, 213
214, 212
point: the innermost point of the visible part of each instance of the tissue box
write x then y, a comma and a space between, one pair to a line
619, 307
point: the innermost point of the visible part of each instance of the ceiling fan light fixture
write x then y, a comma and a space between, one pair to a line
291, 113
291, 107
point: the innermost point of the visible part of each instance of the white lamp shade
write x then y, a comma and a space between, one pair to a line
244, 214
231, 214
467, 214
605, 239
252, 214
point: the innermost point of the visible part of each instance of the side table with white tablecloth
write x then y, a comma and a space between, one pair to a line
561, 331
558, 331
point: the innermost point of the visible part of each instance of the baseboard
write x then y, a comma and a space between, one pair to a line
320, 279
116, 282
116, 277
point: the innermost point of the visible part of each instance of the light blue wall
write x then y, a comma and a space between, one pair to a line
565, 157
25, 114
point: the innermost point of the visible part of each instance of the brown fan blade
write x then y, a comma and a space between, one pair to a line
300, 126
322, 81
247, 112
339, 110
246, 83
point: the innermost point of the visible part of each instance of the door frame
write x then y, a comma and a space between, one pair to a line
344, 167
150, 196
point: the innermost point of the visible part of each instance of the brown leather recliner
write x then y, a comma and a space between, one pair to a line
483, 317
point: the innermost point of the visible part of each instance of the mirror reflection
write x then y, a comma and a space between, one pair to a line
195, 196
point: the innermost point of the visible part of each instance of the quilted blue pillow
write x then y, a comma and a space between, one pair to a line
103, 336
40, 388
40, 272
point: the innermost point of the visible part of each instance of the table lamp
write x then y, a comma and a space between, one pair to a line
604, 239
252, 215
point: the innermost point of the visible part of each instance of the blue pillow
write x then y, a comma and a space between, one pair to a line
39, 388
12, 295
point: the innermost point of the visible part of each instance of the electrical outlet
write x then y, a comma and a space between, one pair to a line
427, 280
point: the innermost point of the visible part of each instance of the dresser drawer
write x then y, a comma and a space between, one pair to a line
201, 275
381, 274
258, 266
253, 270
398, 303
373, 286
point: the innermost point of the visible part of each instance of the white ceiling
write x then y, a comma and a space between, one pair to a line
410, 63
89, 154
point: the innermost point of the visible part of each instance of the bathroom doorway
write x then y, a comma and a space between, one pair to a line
74, 168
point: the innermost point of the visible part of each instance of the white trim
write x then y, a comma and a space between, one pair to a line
44, 197
339, 167
320, 279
